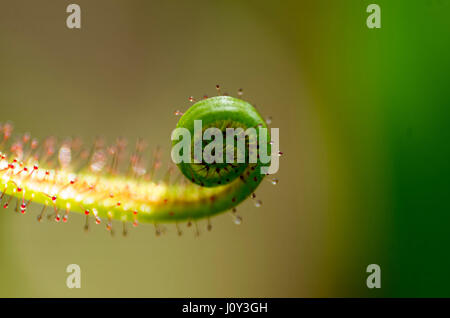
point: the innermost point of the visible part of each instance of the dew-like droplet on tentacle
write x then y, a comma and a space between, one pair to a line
109, 224
209, 226
135, 221
41, 215
197, 231
124, 229
86, 224
157, 230
179, 232
6, 205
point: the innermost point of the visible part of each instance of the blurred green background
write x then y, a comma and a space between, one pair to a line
363, 117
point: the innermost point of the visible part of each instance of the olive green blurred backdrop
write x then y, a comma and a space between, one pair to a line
363, 117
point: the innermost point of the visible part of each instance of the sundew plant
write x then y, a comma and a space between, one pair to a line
109, 182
